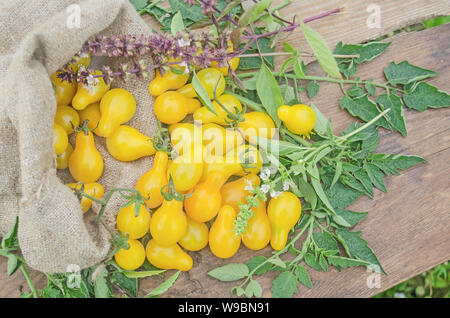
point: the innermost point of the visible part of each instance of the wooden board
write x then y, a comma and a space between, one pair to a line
350, 24
407, 227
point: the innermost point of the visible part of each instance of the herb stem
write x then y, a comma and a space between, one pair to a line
366, 125
246, 101
325, 79
29, 281
296, 137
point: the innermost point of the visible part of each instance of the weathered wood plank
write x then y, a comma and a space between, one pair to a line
350, 25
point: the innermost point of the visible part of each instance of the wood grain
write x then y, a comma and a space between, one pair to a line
407, 227
350, 25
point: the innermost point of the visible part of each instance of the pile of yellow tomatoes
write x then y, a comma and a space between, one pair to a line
211, 167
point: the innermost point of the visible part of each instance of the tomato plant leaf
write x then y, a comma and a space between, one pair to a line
425, 95
345, 262
340, 196
390, 164
303, 276
357, 247
375, 175
229, 272
269, 93
364, 178
323, 263
370, 88
138, 4
396, 116
249, 63
367, 52
287, 92
253, 289
285, 285
277, 262
256, 261
321, 51
312, 89
193, 13
325, 241
321, 121
364, 109
350, 216
405, 73
312, 262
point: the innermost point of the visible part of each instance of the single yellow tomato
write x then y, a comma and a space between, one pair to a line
196, 236
93, 189
62, 160
67, 118
212, 79
170, 107
60, 139
132, 258
135, 226
299, 119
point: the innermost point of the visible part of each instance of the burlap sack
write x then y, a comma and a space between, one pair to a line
35, 41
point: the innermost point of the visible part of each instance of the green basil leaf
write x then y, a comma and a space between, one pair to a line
321, 51
13, 264
269, 93
177, 24
202, 94
162, 288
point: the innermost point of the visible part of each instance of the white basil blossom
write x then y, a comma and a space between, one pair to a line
186, 67
182, 42
265, 188
287, 185
275, 194
249, 186
264, 174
